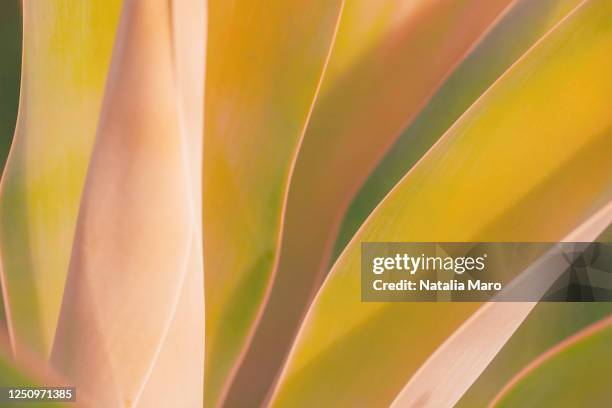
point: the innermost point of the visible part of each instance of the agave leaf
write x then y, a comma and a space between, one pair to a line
176, 380
264, 68
134, 251
457, 363
381, 73
573, 373
519, 28
164, 387
547, 324
497, 175
67, 46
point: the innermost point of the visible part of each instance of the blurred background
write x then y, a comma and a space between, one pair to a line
10, 57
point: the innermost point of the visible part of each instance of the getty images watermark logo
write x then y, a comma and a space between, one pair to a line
442, 265
468, 272
413, 264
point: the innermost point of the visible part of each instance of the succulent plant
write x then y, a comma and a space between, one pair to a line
190, 181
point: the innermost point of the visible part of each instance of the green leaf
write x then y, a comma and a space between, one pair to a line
574, 373
546, 325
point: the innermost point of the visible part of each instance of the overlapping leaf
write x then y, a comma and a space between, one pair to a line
67, 46
547, 324
519, 28
499, 174
573, 373
264, 68
136, 263
389, 59
462, 358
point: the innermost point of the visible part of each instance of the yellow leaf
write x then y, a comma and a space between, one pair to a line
528, 161
263, 73
520, 26
67, 46
389, 59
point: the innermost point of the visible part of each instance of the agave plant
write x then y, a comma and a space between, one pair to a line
190, 181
